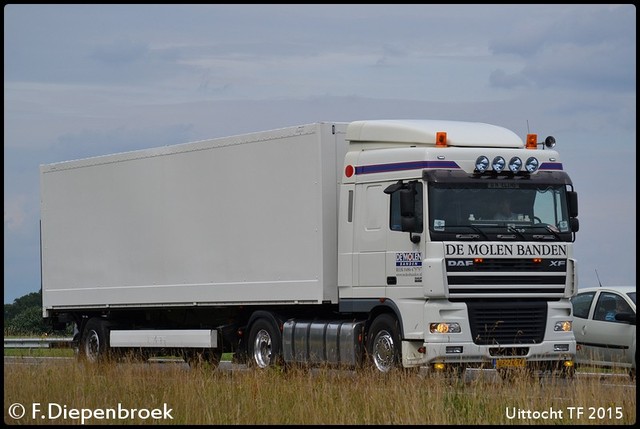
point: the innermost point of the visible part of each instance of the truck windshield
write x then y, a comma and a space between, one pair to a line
496, 211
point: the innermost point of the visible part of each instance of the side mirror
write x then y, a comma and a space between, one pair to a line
407, 199
407, 203
408, 223
408, 213
572, 201
575, 225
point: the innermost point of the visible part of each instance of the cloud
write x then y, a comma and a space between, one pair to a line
87, 143
583, 47
15, 213
120, 52
500, 79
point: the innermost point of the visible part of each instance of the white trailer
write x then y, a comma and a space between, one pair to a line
328, 243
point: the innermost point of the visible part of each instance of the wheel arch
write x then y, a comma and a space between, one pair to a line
272, 316
373, 307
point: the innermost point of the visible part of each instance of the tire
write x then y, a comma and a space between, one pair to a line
383, 344
94, 342
265, 344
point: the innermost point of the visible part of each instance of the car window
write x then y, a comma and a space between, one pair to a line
632, 295
609, 304
622, 306
581, 304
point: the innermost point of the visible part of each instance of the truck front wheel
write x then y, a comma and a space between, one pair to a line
265, 344
94, 343
383, 343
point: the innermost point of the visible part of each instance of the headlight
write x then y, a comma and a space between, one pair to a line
445, 328
515, 164
564, 326
498, 164
531, 165
482, 163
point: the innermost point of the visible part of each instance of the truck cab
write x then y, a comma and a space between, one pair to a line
422, 241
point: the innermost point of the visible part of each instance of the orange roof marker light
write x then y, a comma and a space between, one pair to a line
532, 142
441, 139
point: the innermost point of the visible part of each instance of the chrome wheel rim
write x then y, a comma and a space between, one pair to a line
262, 349
383, 351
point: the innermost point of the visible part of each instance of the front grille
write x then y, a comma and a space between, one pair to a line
503, 323
505, 280
494, 278
519, 264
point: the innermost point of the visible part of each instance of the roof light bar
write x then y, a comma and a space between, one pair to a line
531, 165
498, 164
482, 163
515, 164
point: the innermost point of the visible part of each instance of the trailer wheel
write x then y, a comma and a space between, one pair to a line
94, 343
383, 343
265, 344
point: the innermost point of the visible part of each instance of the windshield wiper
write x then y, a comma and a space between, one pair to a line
472, 236
553, 230
549, 228
513, 229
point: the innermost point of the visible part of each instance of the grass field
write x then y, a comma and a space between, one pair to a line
67, 392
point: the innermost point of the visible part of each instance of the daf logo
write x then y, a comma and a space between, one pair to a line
460, 263
558, 263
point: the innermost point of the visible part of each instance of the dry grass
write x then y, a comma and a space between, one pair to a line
248, 397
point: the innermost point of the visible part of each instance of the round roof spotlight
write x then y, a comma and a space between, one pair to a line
482, 163
550, 142
515, 164
498, 164
531, 165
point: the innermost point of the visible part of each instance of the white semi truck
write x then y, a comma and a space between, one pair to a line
371, 243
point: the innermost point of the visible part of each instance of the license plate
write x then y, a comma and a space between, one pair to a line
510, 363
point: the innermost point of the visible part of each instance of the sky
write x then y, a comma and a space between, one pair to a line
89, 80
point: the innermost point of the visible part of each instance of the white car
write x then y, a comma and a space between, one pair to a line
604, 324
